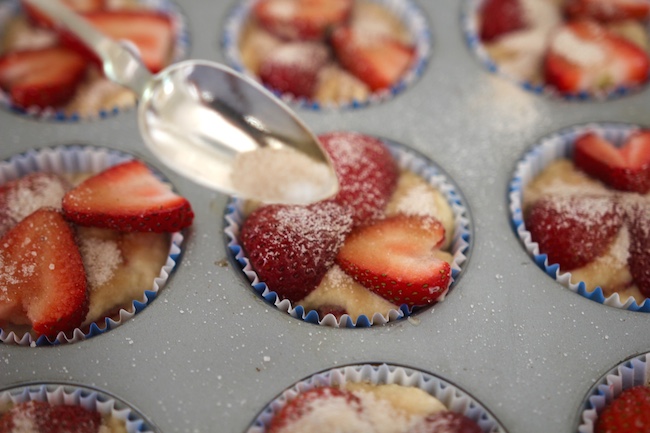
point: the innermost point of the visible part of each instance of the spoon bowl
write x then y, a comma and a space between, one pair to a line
212, 124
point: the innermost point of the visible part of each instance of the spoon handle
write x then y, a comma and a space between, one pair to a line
120, 63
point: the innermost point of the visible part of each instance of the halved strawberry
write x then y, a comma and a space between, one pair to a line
573, 230
366, 171
293, 67
395, 258
584, 56
447, 422
127, 197
312, 410
378, 61
43, 417
79, 6
500, 17
43, 273
41, 78
302, 19
608, 10
626, 168
639, 252
151, 32
627, 413
292, 247
21, 197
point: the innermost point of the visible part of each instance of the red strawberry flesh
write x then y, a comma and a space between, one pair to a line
42, 272
627, 413
79, 6
608, 10
46, 418
394, 258
292, 247
639, 257
447, 422
500, 17
127, 197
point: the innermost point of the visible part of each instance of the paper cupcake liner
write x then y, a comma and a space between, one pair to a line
452, 396
9, 8
470, 23
632, 372
74, 159
406, 10
406, 159
550, 148
76, 395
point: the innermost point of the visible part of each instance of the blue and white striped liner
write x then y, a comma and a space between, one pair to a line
470, 23
453, 397
632, 372
406, 159
90, 399
548, 149
82, 159
9, 8
406, 10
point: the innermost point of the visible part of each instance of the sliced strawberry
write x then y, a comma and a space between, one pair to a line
627, 413
302, 19
292, 247
446, 422
42, 271
79, 6
366, 171
150, 31
293, 67
313, 410
608, 10
573, 230
500, 17
626, 168
127, 197
336, 310
45, 418
639, 252
394, 258
21, 197
584, 56
41, 78
378, 61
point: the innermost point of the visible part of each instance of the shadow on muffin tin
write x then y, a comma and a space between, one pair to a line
455, 398
546, 150
407, 10
461, 245
89, 398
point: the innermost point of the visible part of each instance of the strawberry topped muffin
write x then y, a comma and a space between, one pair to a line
588, 211
389, 242
575, 48
370, 398
328, 53
46, 71
78, 248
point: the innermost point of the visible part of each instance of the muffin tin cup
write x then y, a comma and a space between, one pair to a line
632, 372
453, 397
548, 149
9, 8
79, 159
470, 27
406, 159
406, 10
90, 399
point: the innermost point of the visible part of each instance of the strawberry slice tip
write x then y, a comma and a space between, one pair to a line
127, 197
500, 17
608, 10
395, 258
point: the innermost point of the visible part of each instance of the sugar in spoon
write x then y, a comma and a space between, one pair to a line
212, 124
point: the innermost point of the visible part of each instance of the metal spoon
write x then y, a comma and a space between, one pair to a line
212, 124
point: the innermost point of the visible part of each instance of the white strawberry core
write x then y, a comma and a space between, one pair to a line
578, 51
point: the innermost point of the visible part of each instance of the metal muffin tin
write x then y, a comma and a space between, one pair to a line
208, 354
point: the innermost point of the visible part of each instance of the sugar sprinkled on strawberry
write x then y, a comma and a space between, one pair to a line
627, 413
394, 257
42, 417
43, 280
127, 197
639, 253
366, 170
291, 247
608, 10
